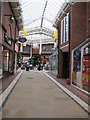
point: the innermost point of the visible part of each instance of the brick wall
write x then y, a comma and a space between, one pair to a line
60, 53
79, 29
5, 21
79, 25
35, 51
87, 19
8, 28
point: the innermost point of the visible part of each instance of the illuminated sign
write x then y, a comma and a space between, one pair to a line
16, 48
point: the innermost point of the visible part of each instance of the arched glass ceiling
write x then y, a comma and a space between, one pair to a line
39, 14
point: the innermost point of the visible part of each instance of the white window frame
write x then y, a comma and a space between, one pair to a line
64, 35
62, 32
64, 28
81, 65
68, 19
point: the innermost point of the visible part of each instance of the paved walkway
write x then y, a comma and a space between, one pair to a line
5, 82
77, 92
35, 96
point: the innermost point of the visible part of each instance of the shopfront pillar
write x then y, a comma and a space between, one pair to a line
1, 61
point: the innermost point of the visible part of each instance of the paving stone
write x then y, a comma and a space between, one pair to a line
40, 99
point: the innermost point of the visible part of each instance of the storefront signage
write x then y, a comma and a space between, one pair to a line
33, 56
22, 40
16, 48
7, 39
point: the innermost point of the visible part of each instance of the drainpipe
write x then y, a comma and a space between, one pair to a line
58, 45
14, 49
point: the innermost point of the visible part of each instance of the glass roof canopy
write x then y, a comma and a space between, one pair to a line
38, 17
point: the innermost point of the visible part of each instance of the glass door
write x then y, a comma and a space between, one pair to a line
76, 67
6, 60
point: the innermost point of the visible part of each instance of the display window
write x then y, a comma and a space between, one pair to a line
53, 62
80, 74
1, 61
86, 68
6, 60
77, 60
76, 72
47, 48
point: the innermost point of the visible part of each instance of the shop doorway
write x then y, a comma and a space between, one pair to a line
36, 60
65, 73
7, 61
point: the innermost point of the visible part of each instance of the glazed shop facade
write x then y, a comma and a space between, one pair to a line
9, 29
80, 70
77, 46
80, 45
7, 57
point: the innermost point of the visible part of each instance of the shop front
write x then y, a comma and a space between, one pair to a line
53, 62
16, 58
7, 61
1, 61
80, 73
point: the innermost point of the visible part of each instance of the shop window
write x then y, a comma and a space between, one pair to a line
62, 31
77, 60
26, 48
53, 63
81, 67
76, 73
86, 68
47, 48
6, 60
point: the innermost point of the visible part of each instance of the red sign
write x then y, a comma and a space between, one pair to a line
16, 48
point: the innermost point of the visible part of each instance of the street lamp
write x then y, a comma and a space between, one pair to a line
11, 18
89, 19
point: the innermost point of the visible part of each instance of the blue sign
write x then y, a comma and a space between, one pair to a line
22, 40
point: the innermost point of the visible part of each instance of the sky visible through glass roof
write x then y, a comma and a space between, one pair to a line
39, 14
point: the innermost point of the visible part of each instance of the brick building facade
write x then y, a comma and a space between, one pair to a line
46, 51
10, 26
77, 45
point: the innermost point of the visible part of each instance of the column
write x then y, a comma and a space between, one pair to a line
31, 51
15, 68
1, 61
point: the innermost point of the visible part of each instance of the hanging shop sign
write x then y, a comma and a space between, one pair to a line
16, 48
25, 33
7, 39
22, 40
55, 35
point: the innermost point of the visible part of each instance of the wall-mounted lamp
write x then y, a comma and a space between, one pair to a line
11, 18
89, 19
